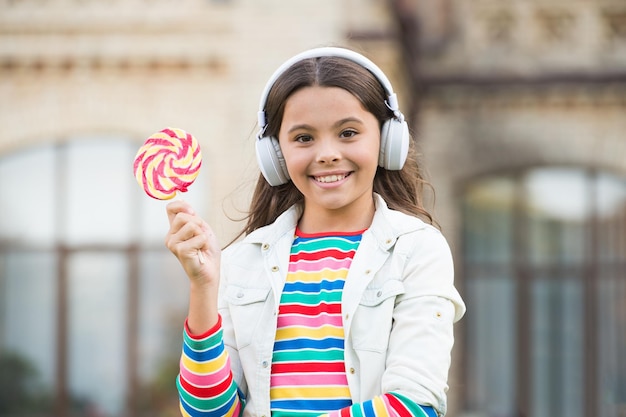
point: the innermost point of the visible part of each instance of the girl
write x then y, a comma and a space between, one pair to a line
339, 300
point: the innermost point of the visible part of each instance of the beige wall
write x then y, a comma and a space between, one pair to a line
508, 85
514, 85
74, 68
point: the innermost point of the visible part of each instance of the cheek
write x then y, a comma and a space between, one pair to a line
369, 157
294, 162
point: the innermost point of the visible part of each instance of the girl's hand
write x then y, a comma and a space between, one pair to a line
193, 242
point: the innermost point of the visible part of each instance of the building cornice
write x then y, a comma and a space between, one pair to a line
553, 90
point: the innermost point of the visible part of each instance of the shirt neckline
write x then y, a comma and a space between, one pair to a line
300, 233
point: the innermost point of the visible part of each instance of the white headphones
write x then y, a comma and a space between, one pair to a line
394, 136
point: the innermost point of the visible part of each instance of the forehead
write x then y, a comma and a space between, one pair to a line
318, 99
320, 108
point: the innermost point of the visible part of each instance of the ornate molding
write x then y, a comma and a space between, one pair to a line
547, 22
499, 94
68, 64
556, 25
95, 35
615, 24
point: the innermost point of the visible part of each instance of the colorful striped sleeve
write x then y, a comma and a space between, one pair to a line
205, 383
390, 404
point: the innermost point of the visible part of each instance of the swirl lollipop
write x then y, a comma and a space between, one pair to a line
169, 161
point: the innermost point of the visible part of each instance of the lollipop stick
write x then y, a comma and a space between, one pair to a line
200, 257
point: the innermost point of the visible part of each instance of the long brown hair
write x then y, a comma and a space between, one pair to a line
402, 190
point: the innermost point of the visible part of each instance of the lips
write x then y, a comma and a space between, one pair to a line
330, 178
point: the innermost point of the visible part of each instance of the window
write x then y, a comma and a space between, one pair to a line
90, 299
545, 283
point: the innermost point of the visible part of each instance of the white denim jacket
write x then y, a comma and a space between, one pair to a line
398, 307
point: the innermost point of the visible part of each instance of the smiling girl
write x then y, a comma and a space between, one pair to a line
339, 300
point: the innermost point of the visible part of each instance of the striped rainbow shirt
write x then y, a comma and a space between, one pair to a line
308, 371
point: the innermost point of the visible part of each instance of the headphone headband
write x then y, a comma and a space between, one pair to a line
392, 100
394, 132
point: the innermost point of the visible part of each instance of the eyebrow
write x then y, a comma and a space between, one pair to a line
335, 125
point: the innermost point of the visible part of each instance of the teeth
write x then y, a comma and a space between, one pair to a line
330, 178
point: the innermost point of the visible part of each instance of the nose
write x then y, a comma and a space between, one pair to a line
328, 150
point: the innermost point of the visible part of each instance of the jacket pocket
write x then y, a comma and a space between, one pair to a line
246, 307
374, 316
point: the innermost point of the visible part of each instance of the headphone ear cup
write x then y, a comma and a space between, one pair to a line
394, 144
271, 161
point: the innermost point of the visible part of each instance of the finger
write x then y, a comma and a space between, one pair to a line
189, 230
176, 207
176, 242
181, 219
187, 248
195, 228
190, 247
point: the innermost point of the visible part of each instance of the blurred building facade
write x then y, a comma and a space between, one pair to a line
519, 108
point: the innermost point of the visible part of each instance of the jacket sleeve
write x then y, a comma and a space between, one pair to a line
418, 357
390, 404
205, 383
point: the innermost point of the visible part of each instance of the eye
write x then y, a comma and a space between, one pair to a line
303, 138
348, 133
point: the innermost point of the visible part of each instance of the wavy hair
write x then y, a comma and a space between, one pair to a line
402, 190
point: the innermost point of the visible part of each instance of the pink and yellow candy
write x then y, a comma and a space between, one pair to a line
169, 161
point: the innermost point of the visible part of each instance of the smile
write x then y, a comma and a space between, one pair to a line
331, 178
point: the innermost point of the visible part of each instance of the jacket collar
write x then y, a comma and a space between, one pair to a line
386, 226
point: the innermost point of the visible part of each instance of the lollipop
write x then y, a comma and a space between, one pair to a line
169, 161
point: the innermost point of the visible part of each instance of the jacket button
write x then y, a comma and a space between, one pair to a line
352, 371
274, 268
265, 364
265, 246
379, 293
